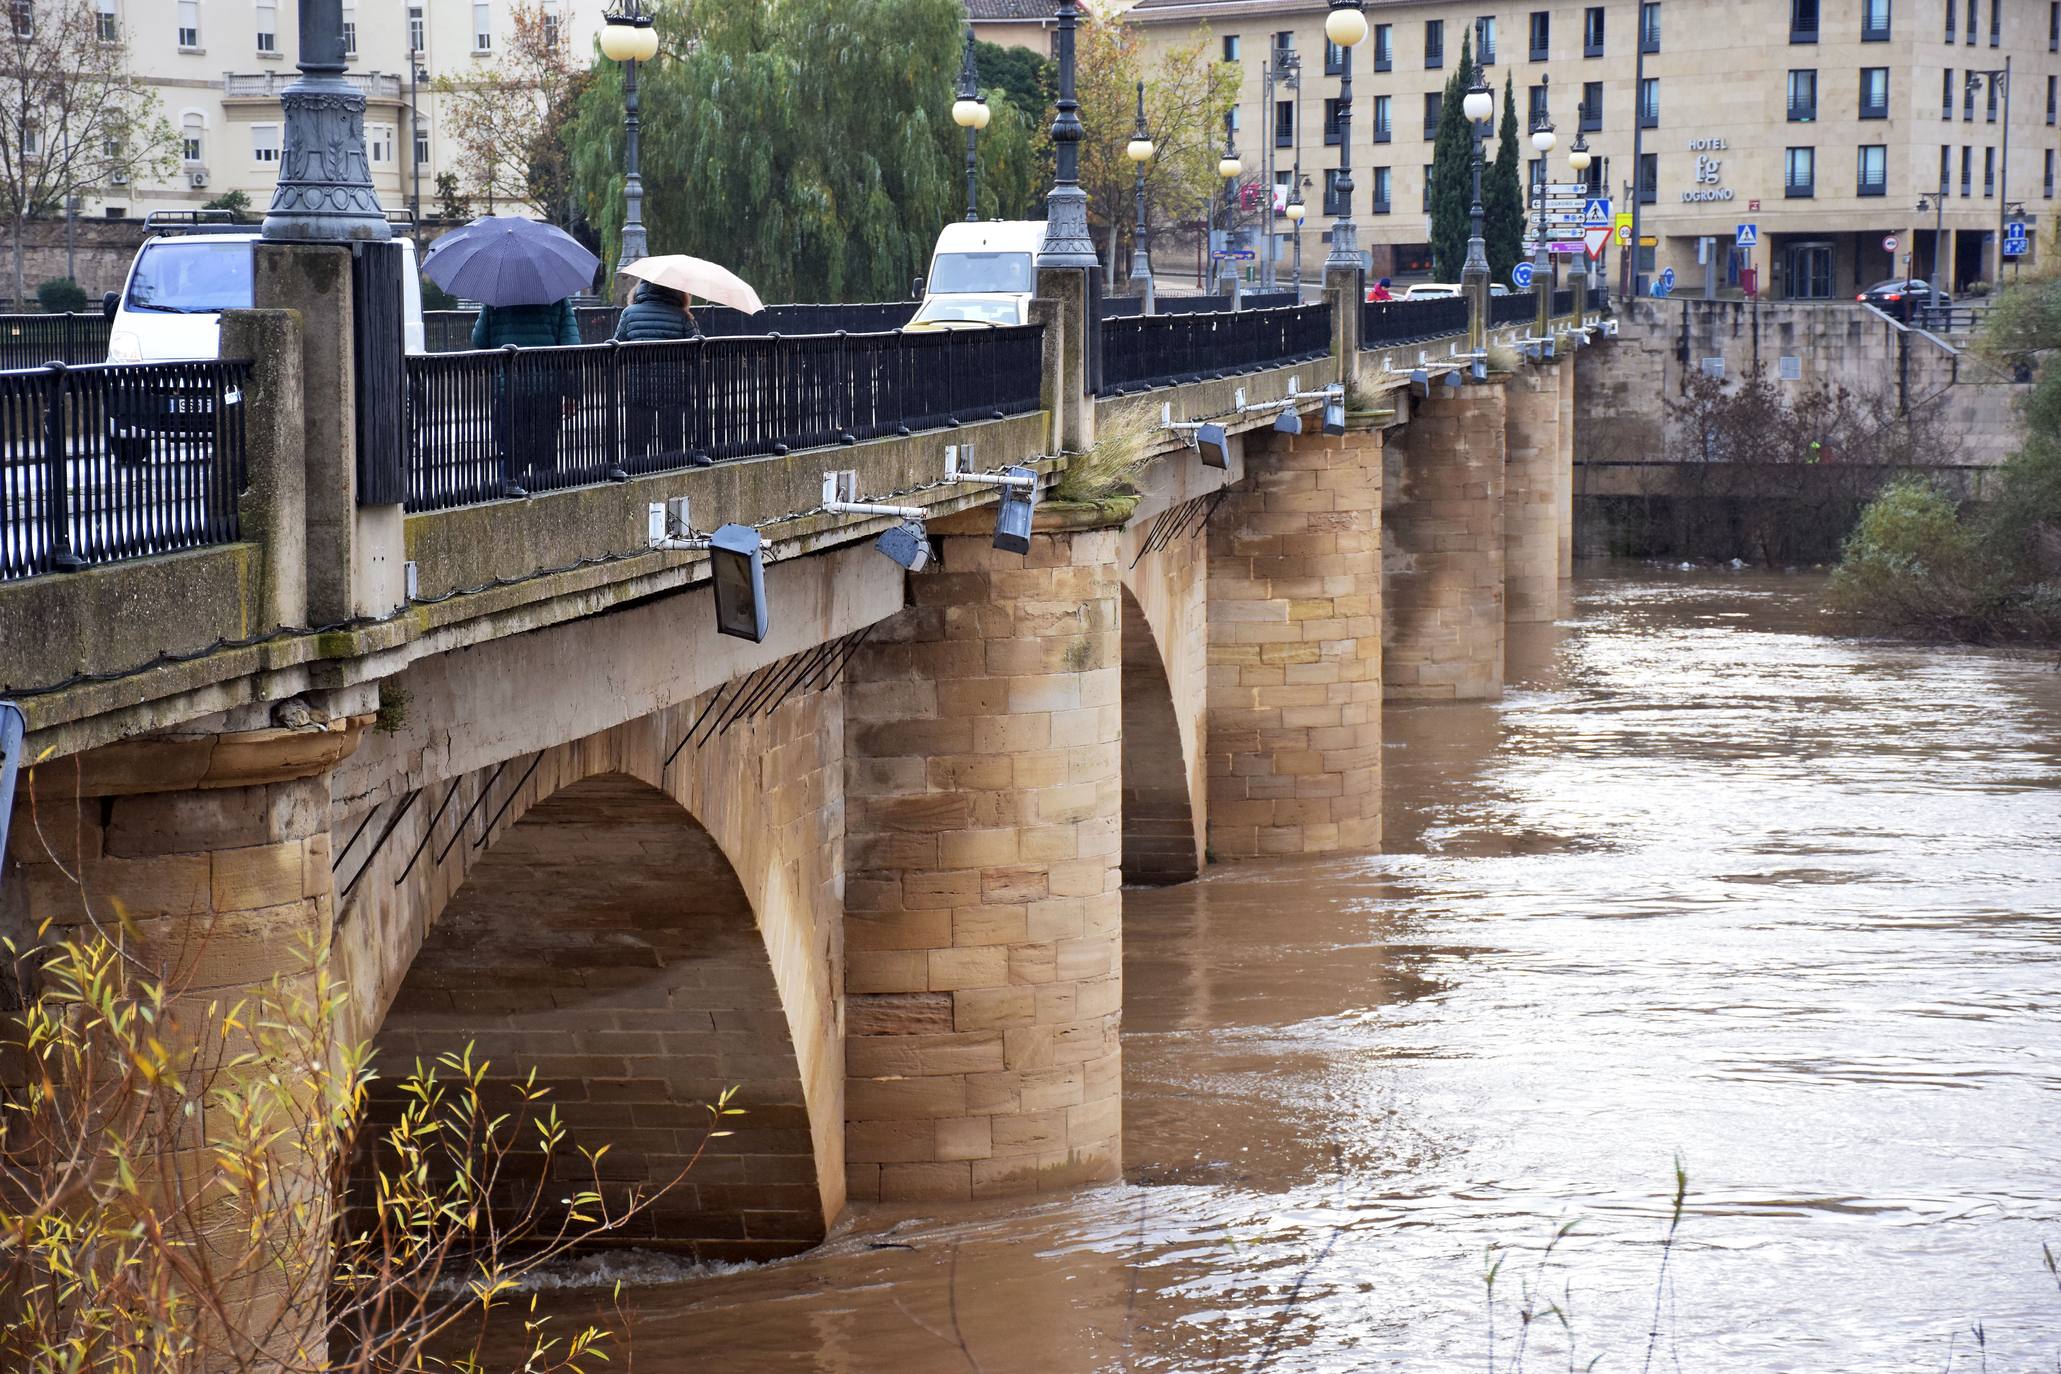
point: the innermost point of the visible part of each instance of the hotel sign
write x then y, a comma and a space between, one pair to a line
1710, 172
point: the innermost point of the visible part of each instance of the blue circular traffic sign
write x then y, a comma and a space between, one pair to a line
1520, 276
1667, 278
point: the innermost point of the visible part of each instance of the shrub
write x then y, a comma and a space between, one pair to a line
1912, 566
59, 295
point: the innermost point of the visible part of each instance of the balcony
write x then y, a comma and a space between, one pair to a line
1589, 118
1649, 117
1872, 186
269, 85
1381, 131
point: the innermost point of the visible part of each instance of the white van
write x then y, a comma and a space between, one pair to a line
982, 275
170, 310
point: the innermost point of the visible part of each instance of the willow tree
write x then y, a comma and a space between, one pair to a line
806, 144
1452, 172
1186, 94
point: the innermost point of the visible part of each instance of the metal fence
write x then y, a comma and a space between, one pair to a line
1563, 302
103, 463
450, 331
33, 340
1516, 308
487, 425
1163, 350
1387, 323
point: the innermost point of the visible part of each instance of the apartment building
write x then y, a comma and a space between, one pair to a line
218, 66
1821, 122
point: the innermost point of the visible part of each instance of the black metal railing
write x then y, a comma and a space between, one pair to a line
1115, 307
450, 331
1563, 302
102, 463
1385, 323
1516, 308
1162, 350
486, 425
33, 340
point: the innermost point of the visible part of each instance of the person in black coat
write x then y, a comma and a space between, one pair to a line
655, 406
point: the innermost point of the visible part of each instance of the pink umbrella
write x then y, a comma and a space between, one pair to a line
697, 277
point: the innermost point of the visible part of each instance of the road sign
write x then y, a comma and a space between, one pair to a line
1594, 238
1752, 206
1232, 254
2016, 240
1596, 210
1624, 234
1667, 279
1567, 188
1889, 243
1748, 236
1520, 276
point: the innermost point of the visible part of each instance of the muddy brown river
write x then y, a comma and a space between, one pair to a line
1708, 884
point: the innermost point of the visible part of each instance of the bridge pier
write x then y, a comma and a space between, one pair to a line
1443, 561
1294, 729
983, 927
1564, 466
1532, 498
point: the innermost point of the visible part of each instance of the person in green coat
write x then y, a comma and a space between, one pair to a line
531, 417
655, 401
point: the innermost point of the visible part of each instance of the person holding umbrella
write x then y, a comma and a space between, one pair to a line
524, 275
658, 312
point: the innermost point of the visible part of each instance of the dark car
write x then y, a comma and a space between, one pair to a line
1899, 296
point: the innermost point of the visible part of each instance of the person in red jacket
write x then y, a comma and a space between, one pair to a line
1380, 291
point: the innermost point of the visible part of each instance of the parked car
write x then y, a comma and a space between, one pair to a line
170, 310
1899, 296
982, 275
1430, 290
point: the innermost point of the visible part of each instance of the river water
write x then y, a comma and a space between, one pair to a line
1708, 884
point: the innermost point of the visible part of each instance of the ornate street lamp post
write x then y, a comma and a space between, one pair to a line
629, 38
1999, 79
325, 192
1067, 241
1296, 212
1579, 160
1139, 150
1228, 168
1478, 105
970, 112
1345, 25
1546, 272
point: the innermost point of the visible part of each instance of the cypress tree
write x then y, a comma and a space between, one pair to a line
1502, 194
1452, 172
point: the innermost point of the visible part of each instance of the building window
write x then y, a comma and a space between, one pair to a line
1331, 120
1996, 23
1334, 59
1950, 19
1800, 173
1803, 96
24, 19
415, 44
1535, 174
1871, 173
1427, 188
268, 28
1384, 185
1542, 34
1336, 202
107, 27
1803, 21
2050, 100
1384, 47
1593, 178
1383, 124
1649, 26
1535, 106
1874, 21
192, 140
2054, 26
1434, 42
1989, 172
189, 23
1874, 93
1967, 170
482, 26
264, 144
1592, 31
350, 27
1649, 103
1968, 102
1284, 124
2047, 187
1231, 47
1485, 40
1946, 94
421, 145
1237, 120
1589, 116
1432, 101
1946, 169
1649, 178
379, 143
1284, 39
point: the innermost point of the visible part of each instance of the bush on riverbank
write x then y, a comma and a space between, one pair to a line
1917, 564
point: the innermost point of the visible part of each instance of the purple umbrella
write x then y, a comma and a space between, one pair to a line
507, 260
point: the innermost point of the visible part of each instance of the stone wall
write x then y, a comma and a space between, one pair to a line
1532, 496
102, 252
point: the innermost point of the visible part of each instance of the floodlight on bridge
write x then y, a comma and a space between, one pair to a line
737, 556
1209, 439
907, 544
1019, 487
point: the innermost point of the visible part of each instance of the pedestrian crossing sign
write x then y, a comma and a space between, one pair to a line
1597, 211
1749, 236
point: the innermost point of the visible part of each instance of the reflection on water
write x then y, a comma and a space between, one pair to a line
1706, 884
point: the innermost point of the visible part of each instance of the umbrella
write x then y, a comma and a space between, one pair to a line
507, 260
697, 277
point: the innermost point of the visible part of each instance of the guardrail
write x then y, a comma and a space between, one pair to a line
487, 425
1563, 302
1516, 308
109, 462
450, 331
33, 340
1385, 324
1162, 350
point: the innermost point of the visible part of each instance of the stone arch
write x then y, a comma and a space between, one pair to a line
645, 916
1160, 845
